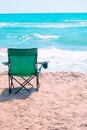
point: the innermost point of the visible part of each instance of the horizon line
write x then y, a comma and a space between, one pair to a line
38, 12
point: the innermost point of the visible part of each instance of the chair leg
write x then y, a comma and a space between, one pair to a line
18, 90
37, 83
22, 85
10, 84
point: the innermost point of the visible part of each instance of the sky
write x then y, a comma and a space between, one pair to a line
42, 6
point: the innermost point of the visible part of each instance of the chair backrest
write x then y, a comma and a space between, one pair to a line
22, 61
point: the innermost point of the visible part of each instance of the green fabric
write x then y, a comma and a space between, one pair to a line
22, 65
22, 52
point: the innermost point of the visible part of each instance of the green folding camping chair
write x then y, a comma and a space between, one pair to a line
23, 63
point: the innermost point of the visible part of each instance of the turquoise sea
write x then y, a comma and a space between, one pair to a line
61, 38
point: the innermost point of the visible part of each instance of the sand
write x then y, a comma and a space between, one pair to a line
60, 103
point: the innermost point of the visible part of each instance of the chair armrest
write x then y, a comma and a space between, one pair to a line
5, 63
43, 64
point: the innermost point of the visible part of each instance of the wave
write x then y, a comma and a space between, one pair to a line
58, 59
46, 37
64, 60
75, 20
66, 24
3, 57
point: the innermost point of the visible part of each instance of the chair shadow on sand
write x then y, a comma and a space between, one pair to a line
23, 94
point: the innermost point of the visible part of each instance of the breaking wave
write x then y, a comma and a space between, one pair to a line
46, 37
66, 24
58, 59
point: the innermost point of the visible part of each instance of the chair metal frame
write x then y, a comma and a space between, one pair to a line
29, 77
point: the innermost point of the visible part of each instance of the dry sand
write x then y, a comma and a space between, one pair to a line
60, 104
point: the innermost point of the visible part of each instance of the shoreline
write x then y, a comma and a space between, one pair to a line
59, 60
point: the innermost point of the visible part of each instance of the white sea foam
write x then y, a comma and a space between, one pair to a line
58, 60
75, 20
45, 37
9, 36
66, 24
3, 58
64, 60
25, 38
3, 24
